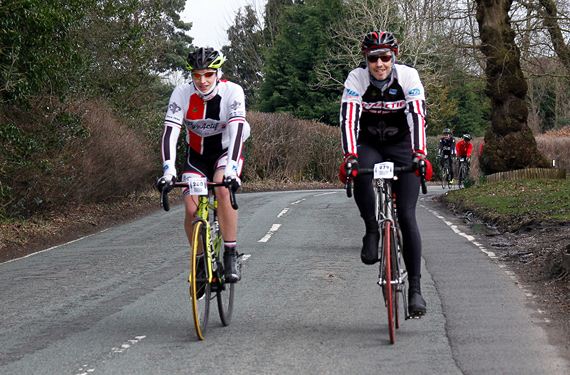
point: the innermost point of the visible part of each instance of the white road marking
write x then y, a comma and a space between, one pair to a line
54, 247
283, 212
469, 238
273, 229
299, 201
85, 370
321, 194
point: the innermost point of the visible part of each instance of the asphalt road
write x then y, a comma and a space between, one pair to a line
116, 302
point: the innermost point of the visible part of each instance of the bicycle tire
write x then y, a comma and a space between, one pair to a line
443, 176
402, 274
395, 276
200, 288
463, 173
224, 292
388, 287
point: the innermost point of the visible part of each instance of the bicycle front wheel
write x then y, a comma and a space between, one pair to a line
200, 288
389, 288
462, 175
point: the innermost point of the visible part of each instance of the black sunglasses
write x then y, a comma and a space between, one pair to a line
374, 58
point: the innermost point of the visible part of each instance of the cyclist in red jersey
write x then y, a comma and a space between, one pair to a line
464, 148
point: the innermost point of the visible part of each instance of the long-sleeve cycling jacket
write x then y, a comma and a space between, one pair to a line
212, 126
383, 115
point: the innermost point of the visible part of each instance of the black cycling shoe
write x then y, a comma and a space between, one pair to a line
416, 303
232, 272
369, 253
200, 277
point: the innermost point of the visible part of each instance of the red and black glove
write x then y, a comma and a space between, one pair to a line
420, 158
348, 168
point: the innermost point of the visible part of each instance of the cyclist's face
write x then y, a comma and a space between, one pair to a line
204, 79
380, 65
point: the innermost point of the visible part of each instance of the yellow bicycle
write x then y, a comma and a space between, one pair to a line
206, 276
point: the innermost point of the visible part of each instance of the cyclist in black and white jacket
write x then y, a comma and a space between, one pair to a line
382, 118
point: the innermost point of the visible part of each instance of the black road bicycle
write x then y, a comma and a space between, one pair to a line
392, 274
445, 172
463, 172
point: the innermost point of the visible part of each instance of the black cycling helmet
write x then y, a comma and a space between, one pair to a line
376, 40
204, 58
467, 137
446, 131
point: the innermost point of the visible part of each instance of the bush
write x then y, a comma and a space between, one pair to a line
53, 156
555, 147
284, 148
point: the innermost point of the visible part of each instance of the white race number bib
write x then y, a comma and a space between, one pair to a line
384, 170
198, 185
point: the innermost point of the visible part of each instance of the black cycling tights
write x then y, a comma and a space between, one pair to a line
407, 189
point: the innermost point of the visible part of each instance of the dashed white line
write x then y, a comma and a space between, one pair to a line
86, 369
321, 194
299, 201
273, 229
469, 238
283, 212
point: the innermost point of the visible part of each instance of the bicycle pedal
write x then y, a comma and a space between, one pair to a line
417, 315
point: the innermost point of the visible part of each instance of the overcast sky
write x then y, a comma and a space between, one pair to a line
211, 19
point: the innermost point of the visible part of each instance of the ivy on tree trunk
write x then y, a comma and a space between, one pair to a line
509, 142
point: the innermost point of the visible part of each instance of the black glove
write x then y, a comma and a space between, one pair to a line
233, 183
165, 183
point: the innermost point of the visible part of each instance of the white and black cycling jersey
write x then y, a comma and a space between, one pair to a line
213, 126
376, 115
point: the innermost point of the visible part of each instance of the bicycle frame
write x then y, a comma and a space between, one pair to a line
386, 212
205, 204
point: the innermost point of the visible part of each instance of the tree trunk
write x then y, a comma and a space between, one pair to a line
550, 17
509, 143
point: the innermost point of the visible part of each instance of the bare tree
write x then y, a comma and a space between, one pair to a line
549, 13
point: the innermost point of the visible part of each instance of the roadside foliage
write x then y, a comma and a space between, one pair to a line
84, 85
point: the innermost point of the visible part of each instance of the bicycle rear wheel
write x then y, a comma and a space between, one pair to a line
224, 294
389, 288
200, 288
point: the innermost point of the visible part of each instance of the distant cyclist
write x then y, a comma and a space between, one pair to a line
446, 148
213, 112
464, 148
382, 118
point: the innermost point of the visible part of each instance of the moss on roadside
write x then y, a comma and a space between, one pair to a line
514, 204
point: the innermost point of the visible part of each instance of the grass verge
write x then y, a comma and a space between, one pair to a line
512, 205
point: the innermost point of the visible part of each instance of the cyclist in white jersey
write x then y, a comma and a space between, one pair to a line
213, 112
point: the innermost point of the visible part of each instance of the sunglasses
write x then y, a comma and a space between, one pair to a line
199, 75
374, 58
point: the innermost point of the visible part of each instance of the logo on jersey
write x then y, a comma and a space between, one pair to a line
414, 92
205, 128
235, 105
392, 91
350, 94
173, 107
